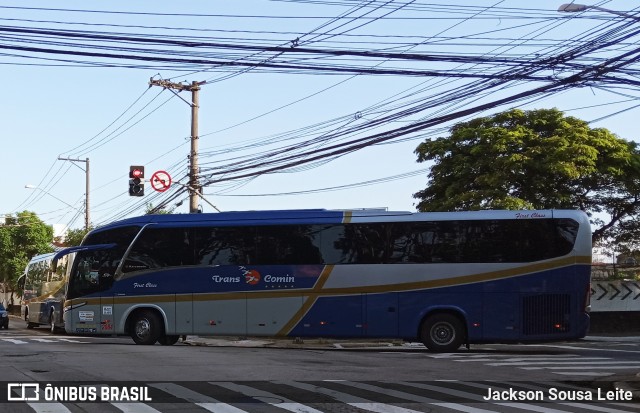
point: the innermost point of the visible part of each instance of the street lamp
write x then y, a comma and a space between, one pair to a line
575, 8
53, 196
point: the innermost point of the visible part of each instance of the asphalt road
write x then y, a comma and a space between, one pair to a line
397, 379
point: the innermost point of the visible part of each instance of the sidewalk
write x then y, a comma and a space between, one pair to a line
308, 344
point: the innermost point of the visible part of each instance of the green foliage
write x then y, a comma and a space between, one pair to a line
536, 159
23, 236
74, 237
150, 209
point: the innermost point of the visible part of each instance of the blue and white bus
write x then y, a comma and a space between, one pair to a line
445, 279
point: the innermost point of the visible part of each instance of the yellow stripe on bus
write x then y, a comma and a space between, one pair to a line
318, 290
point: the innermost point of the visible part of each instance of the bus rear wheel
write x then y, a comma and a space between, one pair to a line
29, 323
52, 324
146, 327
442, 333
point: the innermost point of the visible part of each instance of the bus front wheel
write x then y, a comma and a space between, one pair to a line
146, 327
442, 333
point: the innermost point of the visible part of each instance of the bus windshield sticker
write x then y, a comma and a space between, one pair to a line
85, 315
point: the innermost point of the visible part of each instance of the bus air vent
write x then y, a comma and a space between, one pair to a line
545, 314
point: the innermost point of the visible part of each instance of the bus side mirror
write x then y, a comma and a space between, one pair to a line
20, 282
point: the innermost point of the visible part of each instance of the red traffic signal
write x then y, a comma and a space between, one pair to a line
136, 171
136, 180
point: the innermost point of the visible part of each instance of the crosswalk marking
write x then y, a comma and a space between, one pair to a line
534, 358
283, 402
634, 366
415, 398
560, 364
584, 373
563, 363
49, 408
351, 400
26, 340
206, 402
14, 341
135, 408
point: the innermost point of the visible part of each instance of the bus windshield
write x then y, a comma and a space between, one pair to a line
94, 269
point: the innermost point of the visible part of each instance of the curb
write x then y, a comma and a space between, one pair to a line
315, 344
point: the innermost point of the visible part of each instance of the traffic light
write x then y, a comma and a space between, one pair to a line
136, 180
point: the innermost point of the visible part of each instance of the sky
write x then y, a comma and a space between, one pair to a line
102, 108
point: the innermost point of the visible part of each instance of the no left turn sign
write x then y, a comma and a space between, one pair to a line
160, 181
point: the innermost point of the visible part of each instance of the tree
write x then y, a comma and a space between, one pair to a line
23, 236
536, 159
150, 209
74, 237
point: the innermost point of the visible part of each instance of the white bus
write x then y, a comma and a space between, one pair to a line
43, 292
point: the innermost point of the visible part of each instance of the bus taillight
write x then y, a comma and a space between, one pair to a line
587, 299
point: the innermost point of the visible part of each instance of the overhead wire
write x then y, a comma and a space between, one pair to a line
515, 68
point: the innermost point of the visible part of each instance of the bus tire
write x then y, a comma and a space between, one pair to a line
52, 323
168, 340
29, 323
442, 333
146, 327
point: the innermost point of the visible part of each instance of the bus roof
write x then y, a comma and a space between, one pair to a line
311, 216
41, 257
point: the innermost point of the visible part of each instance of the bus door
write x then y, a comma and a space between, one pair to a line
90, 279
106, 270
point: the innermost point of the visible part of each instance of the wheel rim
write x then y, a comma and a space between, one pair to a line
143, 329
443, 333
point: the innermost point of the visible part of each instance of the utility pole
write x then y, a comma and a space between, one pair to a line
87, 217
195, 190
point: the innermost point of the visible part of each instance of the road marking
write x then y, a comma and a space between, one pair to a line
559, 364
584, 348
206, 402
265, 397
14, 341
359, 402
630, 366
134, 408
551, 360
419, 399
49, 408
